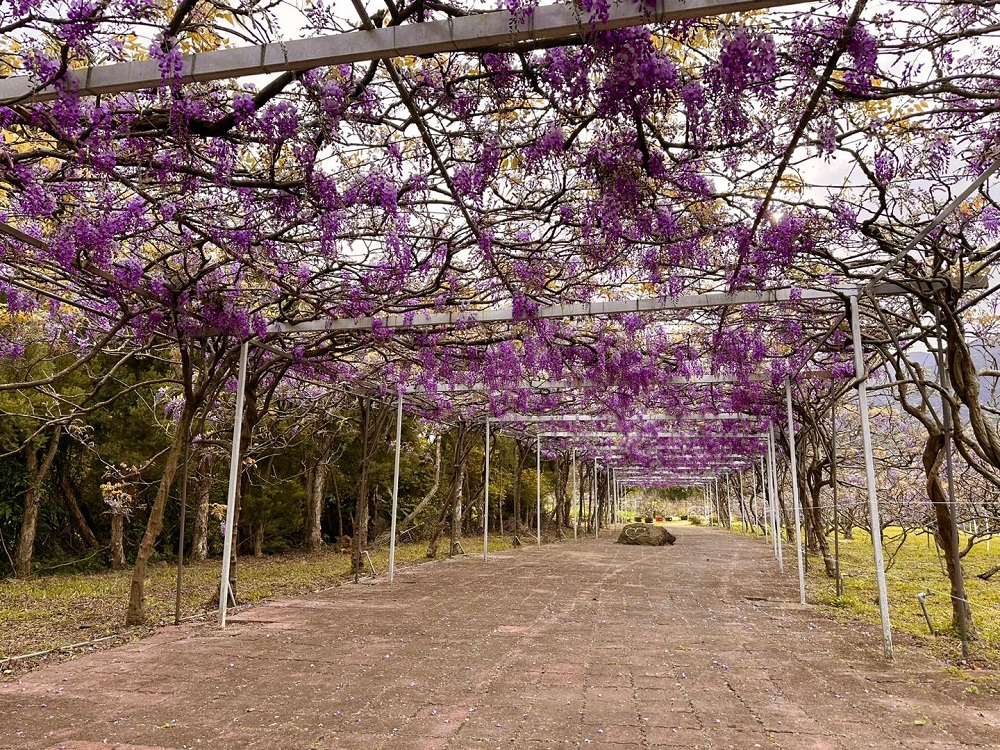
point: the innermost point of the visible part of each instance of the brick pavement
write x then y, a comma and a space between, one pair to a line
578, 644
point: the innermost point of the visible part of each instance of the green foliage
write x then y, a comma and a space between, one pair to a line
13, 482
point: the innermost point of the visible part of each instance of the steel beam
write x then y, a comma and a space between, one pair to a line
536, 418
234, 478
873, 509
479, 31
632, 305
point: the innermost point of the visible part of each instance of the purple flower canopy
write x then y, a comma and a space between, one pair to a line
744, 153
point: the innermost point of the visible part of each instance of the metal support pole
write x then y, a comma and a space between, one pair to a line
614, 477
486, 495
744, 515
180, 533
866, 439
779, 548
614, 503
395, 488
729, 501
234, 476
579, 499
839, 586
795, 492
597, 515
538, 495
764, 516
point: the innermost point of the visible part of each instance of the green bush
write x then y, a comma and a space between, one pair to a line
695, 520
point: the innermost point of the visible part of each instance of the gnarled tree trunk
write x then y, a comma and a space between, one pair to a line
315, 495
70, 499
463, 444
37, 472
117, 545
203, 490
374, 421
136, 613
933, 456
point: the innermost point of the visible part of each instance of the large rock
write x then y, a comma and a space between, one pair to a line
647, 534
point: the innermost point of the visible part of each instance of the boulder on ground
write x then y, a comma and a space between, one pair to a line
646, 534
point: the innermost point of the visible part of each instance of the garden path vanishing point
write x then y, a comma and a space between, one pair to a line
578, 644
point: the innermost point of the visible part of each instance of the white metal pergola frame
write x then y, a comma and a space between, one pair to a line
471, 33
608, 308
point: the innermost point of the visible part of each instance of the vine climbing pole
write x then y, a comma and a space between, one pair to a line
866, 440
395, 488
795, 493
234, 474
486, 494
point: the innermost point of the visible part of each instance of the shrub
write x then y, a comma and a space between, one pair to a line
695, 520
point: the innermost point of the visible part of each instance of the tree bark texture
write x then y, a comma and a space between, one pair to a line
374, 421
136, 613
813, 511
37, 472
316, 493
463, 445
933, 457
71, 500
203, 491
117, 547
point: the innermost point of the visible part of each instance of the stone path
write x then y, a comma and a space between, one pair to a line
578, 644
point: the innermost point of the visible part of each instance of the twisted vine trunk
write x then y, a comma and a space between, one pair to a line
316, 492
374, 420
136, 613
563, 500
453, 498
813, 511
933, 457
456, 512
405, 524
522, 459
70, 497
203, 489
117, 551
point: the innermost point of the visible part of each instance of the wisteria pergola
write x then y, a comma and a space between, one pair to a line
425, 295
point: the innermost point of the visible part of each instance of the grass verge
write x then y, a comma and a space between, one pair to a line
914, 566
59, 611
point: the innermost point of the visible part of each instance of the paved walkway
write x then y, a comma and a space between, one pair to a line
579, 644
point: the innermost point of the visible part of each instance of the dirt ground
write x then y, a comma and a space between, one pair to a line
576, 644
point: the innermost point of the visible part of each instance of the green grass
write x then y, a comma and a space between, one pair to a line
916, 568
60, 610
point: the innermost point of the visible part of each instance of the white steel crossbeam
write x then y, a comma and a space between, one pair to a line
479, 31
530, 418
658, 435
447, 389
583, 309
573, 310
